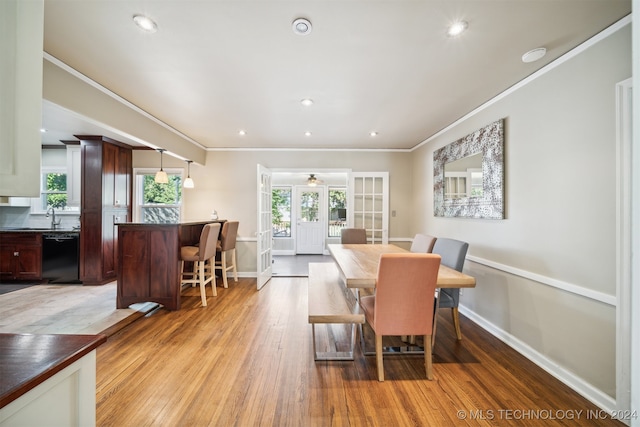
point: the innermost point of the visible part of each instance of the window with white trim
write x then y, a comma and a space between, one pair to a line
158, 203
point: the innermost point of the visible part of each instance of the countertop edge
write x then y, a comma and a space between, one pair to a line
80, 346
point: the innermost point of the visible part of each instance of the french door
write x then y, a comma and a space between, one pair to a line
369, 204
264, 240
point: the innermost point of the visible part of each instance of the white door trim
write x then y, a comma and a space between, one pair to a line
623, 244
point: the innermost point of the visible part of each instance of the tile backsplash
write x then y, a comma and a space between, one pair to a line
12, 216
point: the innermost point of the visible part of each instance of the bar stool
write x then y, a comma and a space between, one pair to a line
206, 250
227, 245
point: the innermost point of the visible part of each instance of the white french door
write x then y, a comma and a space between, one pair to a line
264, 238
369, 204
311, 220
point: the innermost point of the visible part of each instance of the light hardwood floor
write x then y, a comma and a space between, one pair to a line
246, 360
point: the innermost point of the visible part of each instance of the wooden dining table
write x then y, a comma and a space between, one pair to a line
358, 265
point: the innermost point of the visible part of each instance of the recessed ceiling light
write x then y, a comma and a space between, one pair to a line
307, 133
242, 133
373, 133
145, 23
457, 28
307, 102
534, 55
301, 27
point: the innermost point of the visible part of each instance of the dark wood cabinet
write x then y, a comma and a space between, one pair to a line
20, 256
105, 201
149, 257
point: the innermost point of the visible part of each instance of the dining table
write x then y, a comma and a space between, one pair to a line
358, 265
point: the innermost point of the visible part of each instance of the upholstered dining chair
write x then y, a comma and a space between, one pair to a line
353, 235
422, 243
403, 303
227, 247
453, 253
199, 255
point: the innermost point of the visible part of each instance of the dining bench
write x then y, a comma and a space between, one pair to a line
331, 302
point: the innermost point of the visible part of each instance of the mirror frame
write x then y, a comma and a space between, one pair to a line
490, 141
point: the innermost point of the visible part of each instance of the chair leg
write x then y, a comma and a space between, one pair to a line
233, 261
456, 322
223, 259
427, 357
203, 294
379, 357
194, 276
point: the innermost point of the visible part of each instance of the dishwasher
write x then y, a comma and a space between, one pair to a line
60, 253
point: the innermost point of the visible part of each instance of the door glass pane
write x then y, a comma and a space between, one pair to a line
337, 211
281, 212
309, 206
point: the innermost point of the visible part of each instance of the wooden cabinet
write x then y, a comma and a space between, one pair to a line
20, 256
105, 201
149, 257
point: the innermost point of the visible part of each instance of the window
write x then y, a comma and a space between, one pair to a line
158, 203
53, 191
281, 211
337, 211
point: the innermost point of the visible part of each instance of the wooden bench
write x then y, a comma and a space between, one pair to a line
331, 302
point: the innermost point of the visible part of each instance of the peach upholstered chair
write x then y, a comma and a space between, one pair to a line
422, 243
227, 247
353, 235
199, 255
404, 301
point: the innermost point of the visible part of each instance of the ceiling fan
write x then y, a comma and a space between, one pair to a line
312, 181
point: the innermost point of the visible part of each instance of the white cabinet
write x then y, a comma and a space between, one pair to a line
15, 201
21, 94
74, 170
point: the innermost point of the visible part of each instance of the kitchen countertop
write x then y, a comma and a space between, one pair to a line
28, 360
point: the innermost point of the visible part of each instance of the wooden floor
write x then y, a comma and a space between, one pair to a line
246, 360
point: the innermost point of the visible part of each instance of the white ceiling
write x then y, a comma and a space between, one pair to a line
215, 67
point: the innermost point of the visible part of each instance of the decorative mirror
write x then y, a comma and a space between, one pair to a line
468, 175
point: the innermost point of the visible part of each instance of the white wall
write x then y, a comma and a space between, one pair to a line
560, 200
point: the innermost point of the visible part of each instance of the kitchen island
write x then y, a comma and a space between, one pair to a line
149, 261
48, 379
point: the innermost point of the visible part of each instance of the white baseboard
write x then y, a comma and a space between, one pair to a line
586, 390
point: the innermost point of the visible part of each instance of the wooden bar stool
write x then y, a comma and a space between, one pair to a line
206, 250
227, 245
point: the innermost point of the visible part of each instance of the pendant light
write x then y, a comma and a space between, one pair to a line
188, 183
161, 175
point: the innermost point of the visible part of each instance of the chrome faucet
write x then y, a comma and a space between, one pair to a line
54, 223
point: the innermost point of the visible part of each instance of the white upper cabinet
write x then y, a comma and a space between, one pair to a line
74, 169
21, 44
